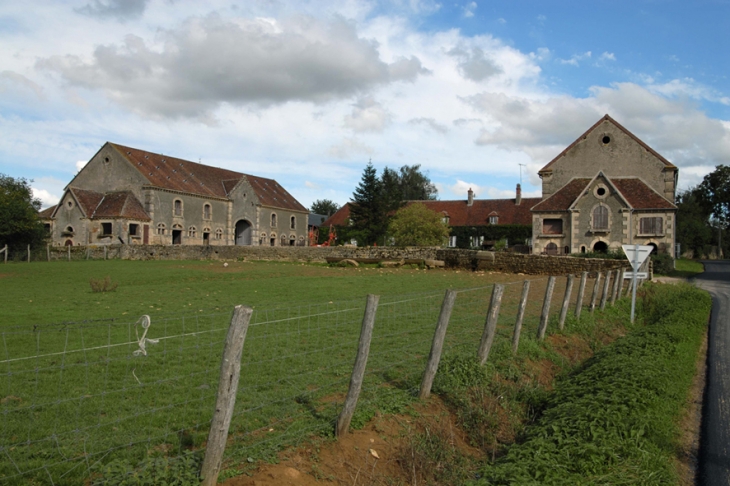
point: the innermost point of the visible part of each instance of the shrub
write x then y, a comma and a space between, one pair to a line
103, 285
663, 264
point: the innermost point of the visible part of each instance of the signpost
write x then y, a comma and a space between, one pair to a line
636, 254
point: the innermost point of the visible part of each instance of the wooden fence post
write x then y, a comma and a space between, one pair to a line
5, 250
581, 293
520, 316
28, 253
606, 289
358, 372
69, 252
226, 397
616, 283
106, 249
566, 302
546, 309
88, 251
490, 326
48, 252
438, 343
596, 287
621, 285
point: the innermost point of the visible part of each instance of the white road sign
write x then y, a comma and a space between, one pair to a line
637, 254
638, 275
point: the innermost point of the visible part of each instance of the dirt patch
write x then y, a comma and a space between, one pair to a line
573, 347
690, 423
376, 454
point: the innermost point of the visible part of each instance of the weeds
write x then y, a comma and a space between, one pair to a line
103, 285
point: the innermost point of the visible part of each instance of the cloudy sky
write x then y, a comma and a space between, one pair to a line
306, 92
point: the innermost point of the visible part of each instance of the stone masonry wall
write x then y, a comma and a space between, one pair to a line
453, 258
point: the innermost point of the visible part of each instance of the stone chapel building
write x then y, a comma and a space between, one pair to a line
130, 196
606, 189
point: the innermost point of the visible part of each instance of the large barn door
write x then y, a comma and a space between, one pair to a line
243, 233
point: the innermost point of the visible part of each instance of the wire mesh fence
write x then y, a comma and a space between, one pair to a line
77, 396
48, 253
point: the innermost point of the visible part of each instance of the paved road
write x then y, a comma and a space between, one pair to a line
714, 461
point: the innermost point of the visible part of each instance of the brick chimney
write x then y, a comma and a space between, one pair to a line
518, 198
470, 198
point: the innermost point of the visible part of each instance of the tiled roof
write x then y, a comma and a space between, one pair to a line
270, 193
668, 164
120, 205
639, 195
636, 193
88, 200
564, 197
181, 175
460, 214
47, 213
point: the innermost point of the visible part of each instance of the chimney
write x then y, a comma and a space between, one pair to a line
470, 200
518, 199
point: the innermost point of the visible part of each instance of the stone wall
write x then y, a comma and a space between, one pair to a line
527, 264
453, 258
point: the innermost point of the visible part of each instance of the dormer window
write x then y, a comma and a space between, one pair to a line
493, 219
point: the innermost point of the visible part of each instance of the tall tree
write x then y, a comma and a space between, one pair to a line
324, 206
415, 185
714, 191
693, 229
19, 223
366, 211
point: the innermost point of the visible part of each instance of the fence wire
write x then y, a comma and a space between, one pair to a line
76, 396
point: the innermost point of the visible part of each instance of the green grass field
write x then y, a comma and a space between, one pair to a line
77, 403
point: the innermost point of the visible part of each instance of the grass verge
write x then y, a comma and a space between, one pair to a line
613, 420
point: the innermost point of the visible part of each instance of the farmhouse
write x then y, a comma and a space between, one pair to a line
471, 220
606, 189
130, 196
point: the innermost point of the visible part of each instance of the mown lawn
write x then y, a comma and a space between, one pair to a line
41, 293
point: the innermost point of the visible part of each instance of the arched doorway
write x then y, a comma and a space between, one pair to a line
600, 247
654, 249
243, 233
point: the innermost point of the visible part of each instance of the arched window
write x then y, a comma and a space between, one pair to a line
262, 238
192, 231
600, 218
161, 228
207, 211
283, 240
273, 220
551, 249
219, 234
177, 208
293, 222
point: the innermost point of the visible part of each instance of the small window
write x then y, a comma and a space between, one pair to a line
651, 226
493, 219
178, 208
69, 204
600, 218
47, 228
283, 240
192, 232
262, 238
293, 223
161, 229
219, 234
206, 211
106, 229
69, 230
452, 241
273, 221
552, 226
133, 229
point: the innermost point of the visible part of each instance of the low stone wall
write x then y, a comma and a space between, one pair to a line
454, 258
527, 264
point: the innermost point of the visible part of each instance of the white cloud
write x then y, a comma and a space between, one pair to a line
469, 9
430, 123
348, 148
367, 116
474, 64
576, 59
687, 87
80, 164
607, 56
12, 80
47, 199
460, 189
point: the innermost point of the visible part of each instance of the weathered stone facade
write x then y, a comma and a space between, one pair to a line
605, 190
129, 196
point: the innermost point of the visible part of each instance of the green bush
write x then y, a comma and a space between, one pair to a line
663, 264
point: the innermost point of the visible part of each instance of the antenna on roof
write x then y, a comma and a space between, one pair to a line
521, 166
